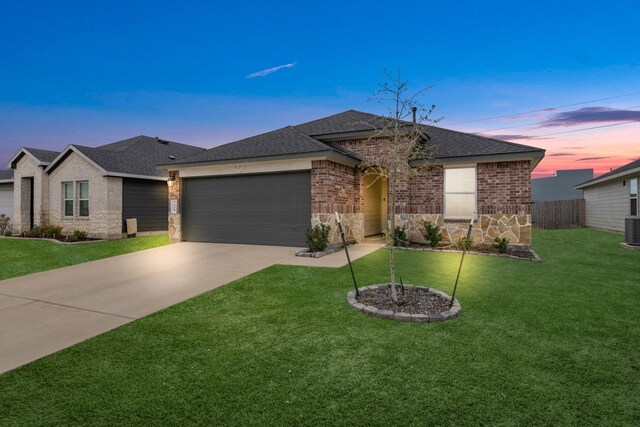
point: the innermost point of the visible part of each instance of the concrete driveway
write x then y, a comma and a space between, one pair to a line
45, 312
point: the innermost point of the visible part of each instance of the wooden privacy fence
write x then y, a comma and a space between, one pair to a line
558, 214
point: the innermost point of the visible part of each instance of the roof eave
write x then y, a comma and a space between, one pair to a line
534, 156
597, 181
329, 154
136, 176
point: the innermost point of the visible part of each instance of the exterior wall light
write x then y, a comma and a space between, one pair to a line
172, 179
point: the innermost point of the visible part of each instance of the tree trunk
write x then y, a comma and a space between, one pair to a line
392, 267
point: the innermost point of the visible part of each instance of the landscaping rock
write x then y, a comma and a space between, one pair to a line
403, 317
419, 304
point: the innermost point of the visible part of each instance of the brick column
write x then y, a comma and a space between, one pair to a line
175, 211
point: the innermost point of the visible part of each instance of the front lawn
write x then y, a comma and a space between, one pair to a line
25, 256
554, 343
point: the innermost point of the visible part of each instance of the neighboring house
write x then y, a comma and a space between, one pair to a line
560, 186
95, 189
612, 197
6, 192
268, 189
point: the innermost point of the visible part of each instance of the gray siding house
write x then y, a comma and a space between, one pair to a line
6, 192
612, 197
95, 189
560, 186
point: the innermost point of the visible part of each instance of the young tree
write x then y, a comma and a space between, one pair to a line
405, 153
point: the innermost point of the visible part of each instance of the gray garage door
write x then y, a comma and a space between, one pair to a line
272, 209
6, 199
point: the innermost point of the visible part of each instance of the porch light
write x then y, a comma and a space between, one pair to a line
172, 179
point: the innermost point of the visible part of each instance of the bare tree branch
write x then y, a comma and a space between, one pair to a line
402, 142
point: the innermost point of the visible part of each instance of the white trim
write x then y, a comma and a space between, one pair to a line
6, 181
489, 158
130, 175
64, 200
614, 177
637, 196
475, 193
79, 192
247, 168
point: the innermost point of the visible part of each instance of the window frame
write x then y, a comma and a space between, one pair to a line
633, 200
475, 193
80, 199
65, 199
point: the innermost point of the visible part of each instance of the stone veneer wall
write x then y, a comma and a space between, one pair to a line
503, 199
105, 199
175, 226
516, 228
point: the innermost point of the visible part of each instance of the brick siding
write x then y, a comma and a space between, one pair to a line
335, 188
502, 187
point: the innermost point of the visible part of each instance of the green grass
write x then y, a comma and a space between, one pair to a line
554, 343
25, 256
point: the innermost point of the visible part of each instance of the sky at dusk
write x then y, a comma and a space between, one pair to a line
540, 73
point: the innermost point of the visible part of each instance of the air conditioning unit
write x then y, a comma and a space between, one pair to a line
632, 230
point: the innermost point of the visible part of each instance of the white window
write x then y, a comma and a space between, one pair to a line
633, 196
83, 198
67, 198
460, 193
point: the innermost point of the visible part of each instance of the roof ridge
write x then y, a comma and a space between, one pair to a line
311, 139
324, 118
40, 149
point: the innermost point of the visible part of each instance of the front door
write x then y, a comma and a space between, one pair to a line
375, 202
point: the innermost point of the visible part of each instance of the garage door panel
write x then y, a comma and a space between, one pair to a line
272, 209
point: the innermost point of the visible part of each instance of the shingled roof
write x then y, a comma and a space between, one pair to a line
280, 142
319, 136
449, 143
134, 156
629, 168
6, 175
43, 157
347, 121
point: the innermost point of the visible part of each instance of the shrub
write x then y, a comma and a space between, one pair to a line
34, 232
432, 233
464, 243
6, 228
400, 236
51, 231
78, 235
501, 244
318, 237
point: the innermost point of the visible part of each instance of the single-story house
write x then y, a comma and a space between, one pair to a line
612, 197
95, 189
6, 192
560, 186
268, 189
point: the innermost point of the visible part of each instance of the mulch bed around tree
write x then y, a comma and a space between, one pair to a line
413, 300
